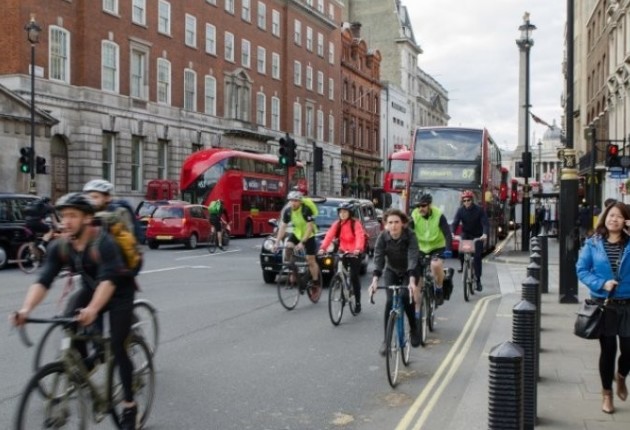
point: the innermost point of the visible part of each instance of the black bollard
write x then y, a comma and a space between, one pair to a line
533, 270
505, 388
544, 263
524, 334
531, 293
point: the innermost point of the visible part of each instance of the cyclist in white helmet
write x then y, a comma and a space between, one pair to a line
101, 192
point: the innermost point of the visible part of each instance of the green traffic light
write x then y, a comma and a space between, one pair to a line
24, 168
283, 160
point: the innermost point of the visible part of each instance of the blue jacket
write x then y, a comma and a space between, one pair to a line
593, 269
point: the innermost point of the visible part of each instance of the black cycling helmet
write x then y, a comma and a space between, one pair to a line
77, 201
424, 199
349, 206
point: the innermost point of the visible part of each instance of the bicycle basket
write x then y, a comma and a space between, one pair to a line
466, 246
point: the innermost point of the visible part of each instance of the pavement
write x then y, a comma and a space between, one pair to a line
569, 388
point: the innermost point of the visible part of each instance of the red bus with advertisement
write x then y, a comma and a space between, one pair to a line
252, 186
449, 160
397, 175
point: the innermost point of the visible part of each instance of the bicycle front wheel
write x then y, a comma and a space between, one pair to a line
212, 243
145, 323
335, 300
467, 281
425, 311
404, 338
48, 347
28, 261
59, 405
393, 350
289, 288
143, 381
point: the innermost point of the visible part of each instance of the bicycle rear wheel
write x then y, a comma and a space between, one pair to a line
314, 293
393, 350
143, 380
59, 405
289, 288
335, 300
212, 243
467, 280
145, 323
27, 260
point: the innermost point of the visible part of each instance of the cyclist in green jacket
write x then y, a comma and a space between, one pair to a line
303, 235
434, 238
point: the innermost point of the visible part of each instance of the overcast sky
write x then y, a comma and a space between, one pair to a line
470, 48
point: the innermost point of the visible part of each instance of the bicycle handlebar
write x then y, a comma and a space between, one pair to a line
390, 287
26, 340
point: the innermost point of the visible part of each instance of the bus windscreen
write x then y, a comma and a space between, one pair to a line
447, 144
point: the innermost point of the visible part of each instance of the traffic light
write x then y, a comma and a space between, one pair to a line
514, 192
26, 159
527, 164
318, 159
40, 165
283, 152
612, 155
291, 152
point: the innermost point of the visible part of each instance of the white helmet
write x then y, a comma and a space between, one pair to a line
295, 195
99, 185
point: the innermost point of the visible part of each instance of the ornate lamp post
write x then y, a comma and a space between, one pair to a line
33, 31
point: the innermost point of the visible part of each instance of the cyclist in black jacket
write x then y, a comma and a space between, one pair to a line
474, 225
396, 257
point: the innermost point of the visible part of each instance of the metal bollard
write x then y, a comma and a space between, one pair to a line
533, 270
531, 293
524, 334
544, 263
505, 388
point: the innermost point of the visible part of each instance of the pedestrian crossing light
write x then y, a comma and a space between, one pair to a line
26, 159
283, 152
291, 152
612, 155
40, 166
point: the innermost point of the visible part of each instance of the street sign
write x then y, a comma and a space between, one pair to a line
618, 175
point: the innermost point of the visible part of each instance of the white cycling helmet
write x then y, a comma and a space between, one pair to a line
99, 185
295, 195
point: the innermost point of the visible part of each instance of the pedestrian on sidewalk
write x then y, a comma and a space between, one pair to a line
604, 267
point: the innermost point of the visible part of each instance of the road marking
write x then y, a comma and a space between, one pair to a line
167, 269
454, 358
207, 255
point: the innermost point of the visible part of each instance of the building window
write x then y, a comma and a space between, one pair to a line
275, 113
211, 39
109, 156
331, 11
138, 74
309, 2
59, 54
136, 163
331, 89
297, 73
211, 96
245, 53
275, 65
139, 12
297, 119
275, 23
163, 81
246, 10
309, 39
309, 121
237, 96
309, 78
191, 31
261, 60
190, 90
213, 2
229, 46
331, 128
229, 6
162, 159
297, 32
320, 6
331, 53
164, 17
320, 83
320, 125
109, 66
320, 45
110, 6
261, 113
262, 16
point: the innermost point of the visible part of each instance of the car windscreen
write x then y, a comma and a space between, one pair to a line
164, 212
146, 209
327, 214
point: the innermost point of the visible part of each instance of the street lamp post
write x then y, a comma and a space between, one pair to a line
524, 44
353, 184
539, 176
33, 30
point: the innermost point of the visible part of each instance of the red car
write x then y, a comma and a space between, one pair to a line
178, 223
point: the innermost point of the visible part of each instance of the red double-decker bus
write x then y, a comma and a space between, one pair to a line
252, 186
448, 160
397, 176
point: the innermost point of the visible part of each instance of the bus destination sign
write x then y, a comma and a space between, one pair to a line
443, 173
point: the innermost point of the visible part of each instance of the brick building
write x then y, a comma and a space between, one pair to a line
137, 85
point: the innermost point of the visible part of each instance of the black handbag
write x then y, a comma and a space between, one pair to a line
589, 321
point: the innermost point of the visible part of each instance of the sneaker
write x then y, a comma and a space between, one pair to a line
383, 349
439, 296
479, 286
221, 248
128, 418
357, 308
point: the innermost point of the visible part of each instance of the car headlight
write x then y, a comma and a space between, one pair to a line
268, 244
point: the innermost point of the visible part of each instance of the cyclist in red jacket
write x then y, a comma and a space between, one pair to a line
351, 239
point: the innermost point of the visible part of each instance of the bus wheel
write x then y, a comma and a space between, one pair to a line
249, 228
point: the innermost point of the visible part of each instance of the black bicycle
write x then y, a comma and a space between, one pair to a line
294, 279
467, 248
428, 304
340, 290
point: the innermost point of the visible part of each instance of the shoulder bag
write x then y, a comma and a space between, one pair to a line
590, 317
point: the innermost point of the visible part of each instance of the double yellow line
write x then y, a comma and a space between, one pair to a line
450, 364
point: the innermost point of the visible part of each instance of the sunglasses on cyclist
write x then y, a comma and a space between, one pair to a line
466, 200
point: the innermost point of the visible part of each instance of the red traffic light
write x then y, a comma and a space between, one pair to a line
613, 150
